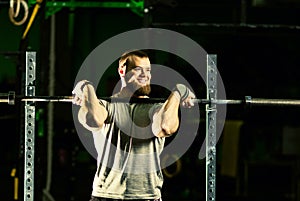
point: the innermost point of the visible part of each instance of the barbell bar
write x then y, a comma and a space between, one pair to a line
11, 98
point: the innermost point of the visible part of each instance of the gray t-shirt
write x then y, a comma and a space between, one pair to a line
128, 163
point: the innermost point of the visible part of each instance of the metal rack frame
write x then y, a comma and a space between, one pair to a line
29, 128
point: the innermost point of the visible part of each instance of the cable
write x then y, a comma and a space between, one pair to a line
18, 7
47, 196
12, 14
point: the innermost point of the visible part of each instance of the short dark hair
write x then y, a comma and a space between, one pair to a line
127, 56
138, 53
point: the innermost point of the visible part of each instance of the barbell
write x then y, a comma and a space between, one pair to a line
11, 98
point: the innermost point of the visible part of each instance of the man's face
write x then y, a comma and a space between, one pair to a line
138, 76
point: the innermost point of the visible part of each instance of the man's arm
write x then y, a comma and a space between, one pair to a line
166, 120
91, 113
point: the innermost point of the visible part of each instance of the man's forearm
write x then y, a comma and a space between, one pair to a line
91, 114
168, 116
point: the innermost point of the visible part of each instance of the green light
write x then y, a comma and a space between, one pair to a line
54, 6
40, 122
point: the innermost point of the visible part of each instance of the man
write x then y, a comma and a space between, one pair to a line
129, 137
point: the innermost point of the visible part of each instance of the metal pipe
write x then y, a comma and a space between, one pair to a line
274, 102
47, 98
11, 98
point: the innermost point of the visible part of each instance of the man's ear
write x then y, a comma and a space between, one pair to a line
122, 70
123, 67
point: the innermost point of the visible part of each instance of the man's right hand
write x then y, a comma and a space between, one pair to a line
78, 93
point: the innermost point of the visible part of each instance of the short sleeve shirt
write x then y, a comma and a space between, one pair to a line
128, 163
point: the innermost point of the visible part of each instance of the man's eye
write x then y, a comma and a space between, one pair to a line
137, 69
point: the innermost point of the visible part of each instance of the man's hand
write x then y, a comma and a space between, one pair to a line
185, 95
91, 114
78, 93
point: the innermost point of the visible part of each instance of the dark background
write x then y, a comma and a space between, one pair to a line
257, 46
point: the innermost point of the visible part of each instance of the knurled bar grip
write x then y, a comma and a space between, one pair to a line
271, 102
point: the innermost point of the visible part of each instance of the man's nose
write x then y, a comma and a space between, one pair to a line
143, 72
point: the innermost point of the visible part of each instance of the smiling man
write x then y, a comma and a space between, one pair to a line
129, 137
135, 72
